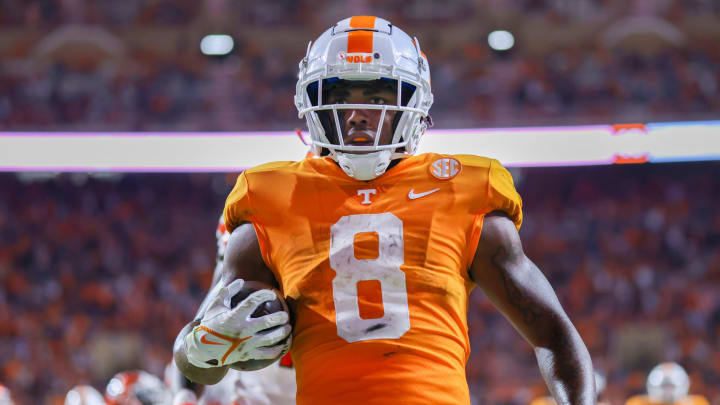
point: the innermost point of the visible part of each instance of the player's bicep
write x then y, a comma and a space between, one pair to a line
243, 258
514, 284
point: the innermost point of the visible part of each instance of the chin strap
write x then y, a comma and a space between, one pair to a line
364, 166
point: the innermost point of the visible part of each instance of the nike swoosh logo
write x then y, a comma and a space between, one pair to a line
413, 196
205, 340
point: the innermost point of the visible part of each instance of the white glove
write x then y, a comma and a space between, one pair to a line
228, 335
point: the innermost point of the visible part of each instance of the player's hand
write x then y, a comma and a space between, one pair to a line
227, 335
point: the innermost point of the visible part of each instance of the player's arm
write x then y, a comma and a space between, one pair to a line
522, 293
248, 338
183, 382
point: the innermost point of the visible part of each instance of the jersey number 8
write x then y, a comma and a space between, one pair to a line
385, 269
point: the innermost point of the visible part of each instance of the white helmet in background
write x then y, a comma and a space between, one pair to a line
136, 388
84, 394
5, 398
667, 383
364, 48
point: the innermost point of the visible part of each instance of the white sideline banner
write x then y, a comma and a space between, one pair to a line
235, 151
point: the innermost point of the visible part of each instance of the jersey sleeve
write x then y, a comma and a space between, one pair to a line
237, 206
502, 195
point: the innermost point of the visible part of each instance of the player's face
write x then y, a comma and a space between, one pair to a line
359, 127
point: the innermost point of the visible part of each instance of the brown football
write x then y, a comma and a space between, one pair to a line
265, 308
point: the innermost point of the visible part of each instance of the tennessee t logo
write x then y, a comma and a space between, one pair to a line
366, 195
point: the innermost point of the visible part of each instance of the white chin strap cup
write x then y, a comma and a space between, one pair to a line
364, 166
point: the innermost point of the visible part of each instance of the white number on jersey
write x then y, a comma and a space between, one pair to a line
385, 269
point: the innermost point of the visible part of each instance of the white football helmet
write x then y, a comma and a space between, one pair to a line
668, 383
5, 398
364, 48
136, 388
84, 394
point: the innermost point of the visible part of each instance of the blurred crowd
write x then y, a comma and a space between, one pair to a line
632, 253
305, 13
141, 67
98, 275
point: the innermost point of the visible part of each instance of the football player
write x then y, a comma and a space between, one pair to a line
667, 384
136, 388
5, 398
84, 394
375, 249
273, 385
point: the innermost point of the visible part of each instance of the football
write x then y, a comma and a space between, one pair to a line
265, 308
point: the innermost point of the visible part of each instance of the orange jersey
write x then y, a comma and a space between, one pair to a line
689, 400
376, 273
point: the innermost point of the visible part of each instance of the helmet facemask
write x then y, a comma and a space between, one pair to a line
334, 106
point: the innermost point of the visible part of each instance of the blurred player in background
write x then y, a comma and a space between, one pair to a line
5, 398
136, 388
273, 385
376, 250
668, 384
84, 394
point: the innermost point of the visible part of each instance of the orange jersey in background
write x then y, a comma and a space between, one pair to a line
689, 400
376, 273
543, 401
551, 401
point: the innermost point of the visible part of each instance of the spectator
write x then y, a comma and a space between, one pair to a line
98, 277
167, 85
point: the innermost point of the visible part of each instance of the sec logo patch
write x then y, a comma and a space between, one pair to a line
445, 168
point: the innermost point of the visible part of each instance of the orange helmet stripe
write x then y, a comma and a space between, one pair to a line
363, 21
361, 41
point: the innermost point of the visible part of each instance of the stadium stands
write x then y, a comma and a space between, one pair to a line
140, 67
98, 275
